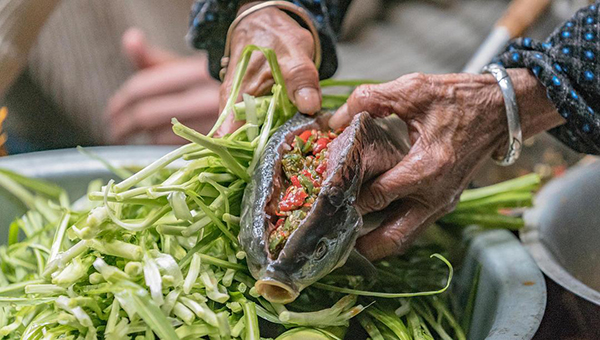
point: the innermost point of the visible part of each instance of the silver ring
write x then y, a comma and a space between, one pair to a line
515, 135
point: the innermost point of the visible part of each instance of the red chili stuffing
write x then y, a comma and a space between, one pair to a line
304, 167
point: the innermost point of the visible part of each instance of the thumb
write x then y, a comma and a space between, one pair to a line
141, 54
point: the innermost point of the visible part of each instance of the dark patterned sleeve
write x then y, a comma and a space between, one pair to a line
210, 20
567, 65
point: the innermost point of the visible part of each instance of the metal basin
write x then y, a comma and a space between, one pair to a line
510, 300
563, 231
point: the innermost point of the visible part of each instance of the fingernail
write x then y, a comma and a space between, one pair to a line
337, 120
308, 100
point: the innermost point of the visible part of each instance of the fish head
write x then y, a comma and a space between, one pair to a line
321, 244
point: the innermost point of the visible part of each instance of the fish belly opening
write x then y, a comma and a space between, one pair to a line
303, 169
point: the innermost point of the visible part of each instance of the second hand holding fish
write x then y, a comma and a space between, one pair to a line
455, 122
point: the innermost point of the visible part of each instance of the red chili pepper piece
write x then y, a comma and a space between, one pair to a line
293, 200
279, 223
304, 135
321, 168
320, 145
295, 181
288, 190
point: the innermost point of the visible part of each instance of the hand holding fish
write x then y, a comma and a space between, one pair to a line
294, 46
455, 122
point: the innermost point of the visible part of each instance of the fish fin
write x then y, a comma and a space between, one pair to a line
358, 265
372, 221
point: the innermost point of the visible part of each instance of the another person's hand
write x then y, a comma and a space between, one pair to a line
294, 46
165, 86
455, 123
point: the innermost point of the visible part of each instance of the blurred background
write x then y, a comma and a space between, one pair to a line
63, 62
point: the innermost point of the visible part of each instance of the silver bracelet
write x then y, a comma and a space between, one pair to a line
515, 135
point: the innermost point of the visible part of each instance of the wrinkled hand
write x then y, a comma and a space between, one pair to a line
294, 46
455, 123
165, 86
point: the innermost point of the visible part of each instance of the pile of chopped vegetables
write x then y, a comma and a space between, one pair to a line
157, 255
304, 166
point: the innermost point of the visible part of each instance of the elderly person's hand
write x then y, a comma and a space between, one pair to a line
455, 123
165, 86
294, 46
